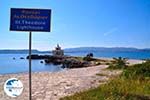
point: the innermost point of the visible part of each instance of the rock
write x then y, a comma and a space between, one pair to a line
21, 58
56, 60
41, 61
36, 56
67, 62
73, 63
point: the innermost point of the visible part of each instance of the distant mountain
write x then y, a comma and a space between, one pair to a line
81, 49
104, 49
25, 51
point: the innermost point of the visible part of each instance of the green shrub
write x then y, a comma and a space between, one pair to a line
118, 63
117, 89
128, 86
139, 70
89, 59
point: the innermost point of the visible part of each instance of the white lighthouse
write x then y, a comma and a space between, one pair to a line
58, 51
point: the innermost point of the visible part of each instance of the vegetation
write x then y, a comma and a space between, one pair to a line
138, 71
94, 61
133, 84
118, 63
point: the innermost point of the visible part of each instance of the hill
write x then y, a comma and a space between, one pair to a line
81, 49
104, 49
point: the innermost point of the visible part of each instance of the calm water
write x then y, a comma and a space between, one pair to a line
131, 55
8, 65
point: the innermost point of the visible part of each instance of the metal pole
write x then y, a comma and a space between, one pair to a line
30, 69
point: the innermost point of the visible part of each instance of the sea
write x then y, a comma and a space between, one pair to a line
11, 63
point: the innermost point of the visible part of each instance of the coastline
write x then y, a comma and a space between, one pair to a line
47, 85
130, 61
54, 85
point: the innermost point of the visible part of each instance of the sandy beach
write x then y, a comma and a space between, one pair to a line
52, 86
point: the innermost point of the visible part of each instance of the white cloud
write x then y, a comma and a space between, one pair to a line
110, 31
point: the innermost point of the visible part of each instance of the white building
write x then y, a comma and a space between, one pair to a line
58, 51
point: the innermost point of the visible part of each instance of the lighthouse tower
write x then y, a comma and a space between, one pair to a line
58, 51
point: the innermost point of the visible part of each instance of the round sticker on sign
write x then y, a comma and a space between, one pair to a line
13, 87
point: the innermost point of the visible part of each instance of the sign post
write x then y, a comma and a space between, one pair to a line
30, 68
37, 20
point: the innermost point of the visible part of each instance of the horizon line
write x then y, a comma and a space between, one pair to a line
74, 48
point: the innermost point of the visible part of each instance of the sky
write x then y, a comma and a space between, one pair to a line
81, 23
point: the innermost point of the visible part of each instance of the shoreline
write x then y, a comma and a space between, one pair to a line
48, 85
55, 85
131, 62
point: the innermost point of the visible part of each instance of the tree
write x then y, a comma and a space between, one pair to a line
89, 57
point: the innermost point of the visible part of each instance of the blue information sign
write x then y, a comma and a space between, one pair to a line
30, 20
